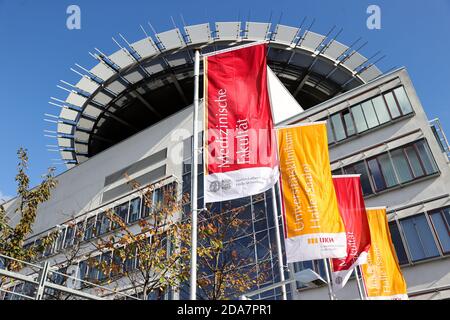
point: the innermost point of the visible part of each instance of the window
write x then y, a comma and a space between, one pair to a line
360, 121
90, 226
70, 234
401, 165
60, 240
79, 233
360, 168
369, 114
419, 238
338, 127
398, 243
93, 271
330, 135
106, 262
135, 208
348, 121
381, 109
392, 105
82, 270
103, 224
387, 170
376, 174
426, 157
403, 100
122, 211
441, 224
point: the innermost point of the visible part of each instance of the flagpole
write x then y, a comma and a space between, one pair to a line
361, 295
327, 272
278, 240
194, 197
364, 289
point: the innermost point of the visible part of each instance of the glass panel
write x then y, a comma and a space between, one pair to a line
381, 109
358, 115
419, 238
392, 105
414, 162
426, 157
70, 233
103, 223
403, 100
387, 170
360, 168
82, 270
90, 225
441, 224
401, 165
330, 134
122, 212
377, 176
106, 260
370, 115
338, 127
398, 244
348, 121
93, 270
135, 206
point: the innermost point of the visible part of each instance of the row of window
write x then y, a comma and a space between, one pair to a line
99, 224
393, 168
422, 236
372, 113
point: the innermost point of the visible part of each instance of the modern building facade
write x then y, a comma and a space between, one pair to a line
132, 114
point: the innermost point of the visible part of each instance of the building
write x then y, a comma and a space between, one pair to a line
131, 113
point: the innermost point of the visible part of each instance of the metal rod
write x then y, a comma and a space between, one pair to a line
360, 290
278, 240
327, 272
366, 295
193, 289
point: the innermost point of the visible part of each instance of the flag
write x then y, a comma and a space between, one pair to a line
382, 276
353, 212
313, 226
240, 142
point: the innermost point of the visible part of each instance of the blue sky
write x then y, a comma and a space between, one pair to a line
38, 50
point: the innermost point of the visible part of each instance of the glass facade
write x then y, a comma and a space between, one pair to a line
256, 241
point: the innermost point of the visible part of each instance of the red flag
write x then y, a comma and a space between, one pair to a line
239, 134
352, 209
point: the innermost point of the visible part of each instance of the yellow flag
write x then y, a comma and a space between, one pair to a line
313, 226
383, 278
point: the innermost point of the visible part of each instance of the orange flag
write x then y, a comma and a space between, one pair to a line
313, 226
382, 276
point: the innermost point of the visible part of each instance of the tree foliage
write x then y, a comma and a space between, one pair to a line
27, 203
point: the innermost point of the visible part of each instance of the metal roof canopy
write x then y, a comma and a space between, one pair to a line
310, 65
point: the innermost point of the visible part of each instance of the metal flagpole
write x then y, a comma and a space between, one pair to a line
327, 272
364, 289
361, 295
278, 239
193, 282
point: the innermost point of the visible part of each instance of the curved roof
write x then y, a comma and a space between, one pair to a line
151, 78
